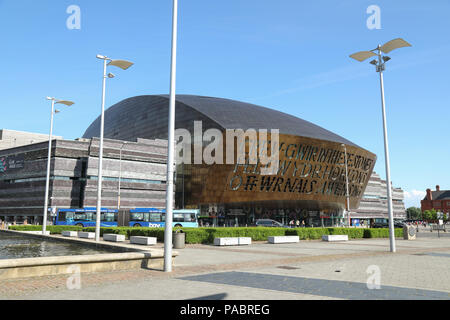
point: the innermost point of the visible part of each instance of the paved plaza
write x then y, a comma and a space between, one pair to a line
306, 270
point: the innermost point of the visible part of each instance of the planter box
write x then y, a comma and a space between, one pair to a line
335, 238
86, 235
226, 242
71, 234
114, 237
147, 241
285, 239
245, 241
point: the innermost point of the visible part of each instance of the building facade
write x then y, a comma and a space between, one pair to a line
139, 166
374, 202
438, 200
309, 184
12, 139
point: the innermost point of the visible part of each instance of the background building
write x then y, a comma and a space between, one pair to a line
140, 166
11, 138
438, 200
374, 202
311, 182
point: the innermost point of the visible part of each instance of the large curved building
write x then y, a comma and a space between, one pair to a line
310, 183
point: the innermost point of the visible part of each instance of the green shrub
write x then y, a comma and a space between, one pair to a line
257, 234
381, 233
207, 235
196, 236
353, 233
146, 232
52, 229
308, 233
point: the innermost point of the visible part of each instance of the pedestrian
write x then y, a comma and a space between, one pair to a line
297, 223
303, 223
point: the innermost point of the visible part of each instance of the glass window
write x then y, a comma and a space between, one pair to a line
80, 216
189, 217
62, 216
69, 215
178, 217
137, 217
108, 217
155, 217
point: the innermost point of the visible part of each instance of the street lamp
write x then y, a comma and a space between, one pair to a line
47, 183
346, 181
123, 64
380, 65
171, 146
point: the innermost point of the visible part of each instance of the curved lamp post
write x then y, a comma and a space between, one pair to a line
47, 183
380, 65
124, 65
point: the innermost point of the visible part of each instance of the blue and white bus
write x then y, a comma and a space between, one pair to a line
85, 217
140, 217
155, 218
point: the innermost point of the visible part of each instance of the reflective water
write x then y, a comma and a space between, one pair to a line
17, 247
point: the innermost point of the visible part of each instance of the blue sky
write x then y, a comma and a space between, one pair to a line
289, 55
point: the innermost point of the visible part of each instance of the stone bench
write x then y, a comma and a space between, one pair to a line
114, 237
86, 235
147, 241
243, 241
70, 234
232, 241
284, 239
335, 238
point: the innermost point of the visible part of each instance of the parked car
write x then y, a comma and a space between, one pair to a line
397, 224
269, 223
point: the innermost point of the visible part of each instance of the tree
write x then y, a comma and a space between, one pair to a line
430, 215
414, 213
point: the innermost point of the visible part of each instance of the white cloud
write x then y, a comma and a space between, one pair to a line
413, 198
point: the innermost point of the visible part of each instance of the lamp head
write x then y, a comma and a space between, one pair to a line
123, 64
99, 56
111, 75
374, 62
65, 102
386, 58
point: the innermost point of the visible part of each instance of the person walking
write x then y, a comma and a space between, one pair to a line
297, 223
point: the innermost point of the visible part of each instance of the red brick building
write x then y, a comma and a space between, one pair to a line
438, 200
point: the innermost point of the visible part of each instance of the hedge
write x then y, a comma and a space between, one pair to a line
52, 229
207, 235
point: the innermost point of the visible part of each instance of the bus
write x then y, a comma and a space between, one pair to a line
140, 217
155, 218
85, 217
